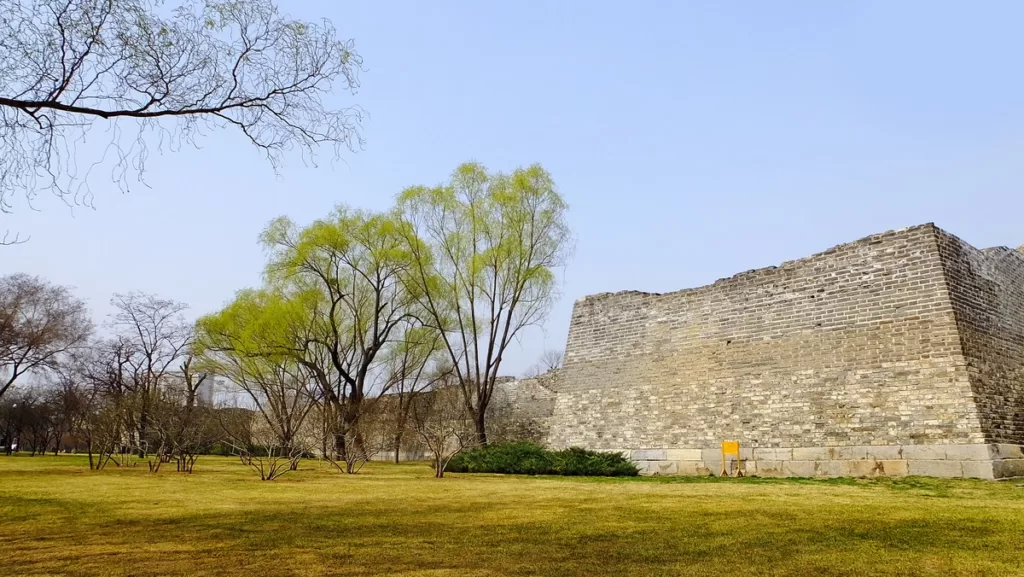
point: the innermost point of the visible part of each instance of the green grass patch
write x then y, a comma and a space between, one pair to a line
58, 518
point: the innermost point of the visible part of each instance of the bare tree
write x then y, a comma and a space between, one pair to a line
413, 366
133, 67
444, 425
258, 443
549, 360
39, 324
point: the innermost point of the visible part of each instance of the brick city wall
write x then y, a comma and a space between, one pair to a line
905, 339
987, 288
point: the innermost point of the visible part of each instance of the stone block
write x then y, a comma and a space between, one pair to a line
967, 453
849, 453
924, 453
799, 468
772, 454
683, 454
646, 467
784, 454
770, 469
862, 468
810, 454
710, 455
648, 455
892, 468
667, 467
1004, 451
1008, 468
935, 468
832, 468
978, 469
885, 453
691, 468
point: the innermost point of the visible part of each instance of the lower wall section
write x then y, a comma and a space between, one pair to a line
989, 461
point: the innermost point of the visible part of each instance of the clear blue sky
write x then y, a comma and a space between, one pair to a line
693, 141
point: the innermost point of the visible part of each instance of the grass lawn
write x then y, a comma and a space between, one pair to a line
59, 518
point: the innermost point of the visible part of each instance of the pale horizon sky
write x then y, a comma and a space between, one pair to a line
692, 142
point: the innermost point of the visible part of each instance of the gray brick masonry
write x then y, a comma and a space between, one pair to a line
900, 353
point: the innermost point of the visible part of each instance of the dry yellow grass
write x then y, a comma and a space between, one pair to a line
58, 518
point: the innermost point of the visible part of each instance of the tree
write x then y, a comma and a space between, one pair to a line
484, 269
412, 367
444, 425
348, 270
154, 339
40, 323
251, 343
132, 67
549, 360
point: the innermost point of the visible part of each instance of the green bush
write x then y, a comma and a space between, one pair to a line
524, 458
581, 462
509, 458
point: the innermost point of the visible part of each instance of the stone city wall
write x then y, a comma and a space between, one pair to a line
899, 353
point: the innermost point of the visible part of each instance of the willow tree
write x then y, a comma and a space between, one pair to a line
255, 342
352, 263
484, 247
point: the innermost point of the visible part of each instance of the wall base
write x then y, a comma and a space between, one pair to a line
979, 461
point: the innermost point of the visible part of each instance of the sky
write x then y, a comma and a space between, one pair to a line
692, 141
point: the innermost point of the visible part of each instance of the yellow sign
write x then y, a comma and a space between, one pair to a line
731, 448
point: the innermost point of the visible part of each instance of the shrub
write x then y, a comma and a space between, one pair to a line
521, 458
577, 461
525, 458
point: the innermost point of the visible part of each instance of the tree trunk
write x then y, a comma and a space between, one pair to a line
481, 429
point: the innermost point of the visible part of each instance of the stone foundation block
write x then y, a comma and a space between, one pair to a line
833, 468
691, 468
683, 454
935, 468
1008, 468
1004, 451
924, 453
799, 468
810, 454
770, 469
772, 454
851, 453
708, 455
648, 455
666, 467
862, 468
885, 453
978, 469
967, 453
892, 468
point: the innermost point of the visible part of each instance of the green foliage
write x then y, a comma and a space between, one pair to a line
575, 461
507, 458
531, 459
